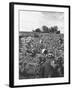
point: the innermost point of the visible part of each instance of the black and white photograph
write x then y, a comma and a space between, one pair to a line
41, 44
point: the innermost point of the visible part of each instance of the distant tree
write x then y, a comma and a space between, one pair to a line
37, 30
45, 29
54, 29
58, 32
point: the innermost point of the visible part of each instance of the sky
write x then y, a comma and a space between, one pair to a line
30, 20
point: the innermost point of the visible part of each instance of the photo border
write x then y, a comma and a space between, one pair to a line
11, 42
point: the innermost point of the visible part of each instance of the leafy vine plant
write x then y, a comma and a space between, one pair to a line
41, 53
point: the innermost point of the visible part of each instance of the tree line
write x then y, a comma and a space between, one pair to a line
45, 29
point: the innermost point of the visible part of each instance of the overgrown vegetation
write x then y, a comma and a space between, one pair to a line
41, 55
